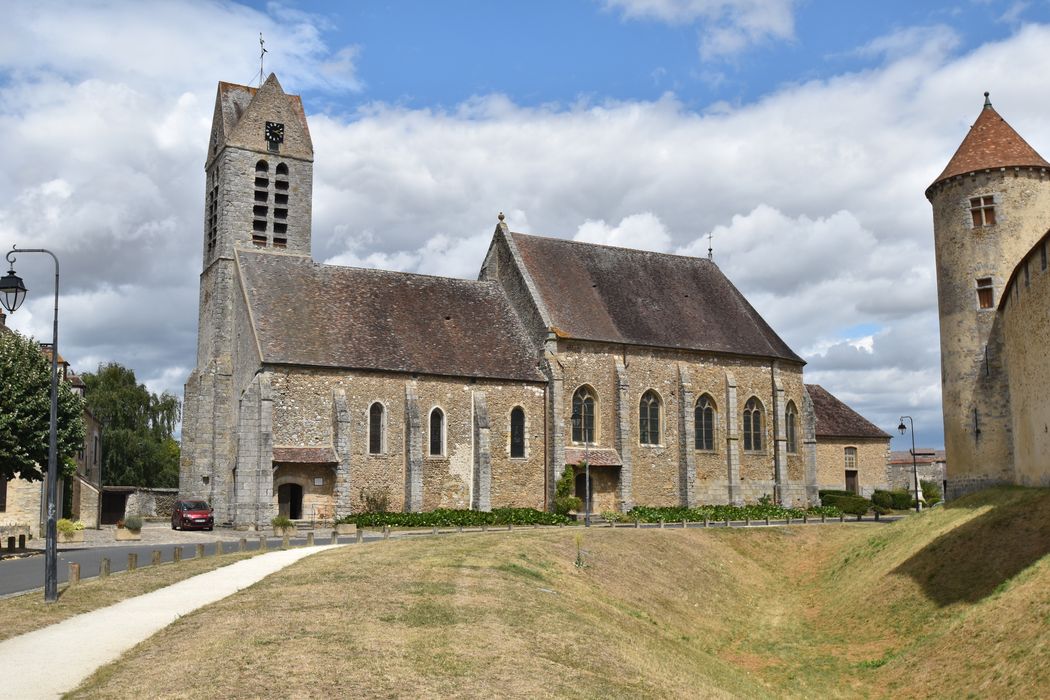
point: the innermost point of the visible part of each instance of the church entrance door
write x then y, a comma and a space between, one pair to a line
290, 501
581, 490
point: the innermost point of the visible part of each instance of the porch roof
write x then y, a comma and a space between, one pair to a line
597, 456
305, 455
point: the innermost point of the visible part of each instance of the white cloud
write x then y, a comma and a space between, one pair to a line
814, 192
726, 27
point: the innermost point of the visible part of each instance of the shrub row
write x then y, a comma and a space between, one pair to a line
897, 500
850, 504
453, 518
647, 514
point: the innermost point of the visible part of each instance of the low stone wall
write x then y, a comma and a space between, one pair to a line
151, 503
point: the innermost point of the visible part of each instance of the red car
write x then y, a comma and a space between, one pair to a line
192, 514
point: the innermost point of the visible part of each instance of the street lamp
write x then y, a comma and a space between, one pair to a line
577, 424
12, 294
914, 467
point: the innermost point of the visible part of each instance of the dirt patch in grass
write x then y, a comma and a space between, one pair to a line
25, 613
822, 611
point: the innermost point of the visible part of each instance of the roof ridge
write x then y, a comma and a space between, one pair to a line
615, 247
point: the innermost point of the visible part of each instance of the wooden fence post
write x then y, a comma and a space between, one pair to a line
155, 558
200, 551
262, 543
103, 568
176, 555
133, 561
74, 573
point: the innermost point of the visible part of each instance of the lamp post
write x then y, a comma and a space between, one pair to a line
12, 294
577, 424
914, 467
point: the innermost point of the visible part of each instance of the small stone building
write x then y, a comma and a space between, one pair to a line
931, 465
321, 388
852, 453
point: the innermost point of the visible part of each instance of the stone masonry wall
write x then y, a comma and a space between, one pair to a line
657, 469
1026, 327
23, 505
303, 417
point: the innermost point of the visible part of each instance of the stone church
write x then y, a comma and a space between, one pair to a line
991, 223
320, 386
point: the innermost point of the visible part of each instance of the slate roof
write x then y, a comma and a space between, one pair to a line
332, 316
990, 143
622, 295
835, 419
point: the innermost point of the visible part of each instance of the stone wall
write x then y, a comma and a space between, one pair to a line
303, 416
151, 503
872, 463
85, 502
901, 475
663, 474
975, 397
23, 505
1026, 327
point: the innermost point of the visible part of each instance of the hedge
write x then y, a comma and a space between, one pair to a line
648, 514
851, 504
444, 517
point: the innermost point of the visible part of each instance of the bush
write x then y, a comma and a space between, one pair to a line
931, 491
444, 517
564, 500
281, 521
902, 499
882, 499
133, 523
853, 505
68, 527
834, 492
648, 514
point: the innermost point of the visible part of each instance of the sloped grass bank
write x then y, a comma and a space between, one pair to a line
947, 604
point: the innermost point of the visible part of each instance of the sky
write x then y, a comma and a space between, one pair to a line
797, 136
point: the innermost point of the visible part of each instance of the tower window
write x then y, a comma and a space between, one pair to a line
262, 182
282, 168
280, 242
280, 198
262, 166
985, 293
280, 213
278, 227
259, 225
259, 210
259, 240
281, 184
982, 209
261, 195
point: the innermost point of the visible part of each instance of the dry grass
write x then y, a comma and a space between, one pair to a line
840, 611
25, 613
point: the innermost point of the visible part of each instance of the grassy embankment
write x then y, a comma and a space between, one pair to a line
952, 603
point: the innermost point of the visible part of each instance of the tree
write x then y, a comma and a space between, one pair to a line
138, 447
25, 411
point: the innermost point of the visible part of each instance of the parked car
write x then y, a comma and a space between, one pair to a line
192, 514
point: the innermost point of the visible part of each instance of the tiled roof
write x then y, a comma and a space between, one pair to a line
991, 143
596, 456
836, 419
332, 316
305, 455
621, 295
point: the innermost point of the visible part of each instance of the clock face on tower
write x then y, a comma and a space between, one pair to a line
274, 132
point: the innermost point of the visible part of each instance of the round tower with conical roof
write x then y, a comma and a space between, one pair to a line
990, 205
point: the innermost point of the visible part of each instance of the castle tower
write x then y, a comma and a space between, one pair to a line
990, 205
258, 189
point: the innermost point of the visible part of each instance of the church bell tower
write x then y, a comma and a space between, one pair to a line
258, 190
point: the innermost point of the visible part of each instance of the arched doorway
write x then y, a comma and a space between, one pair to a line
290, 501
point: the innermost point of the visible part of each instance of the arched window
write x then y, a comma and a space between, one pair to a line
753, 425
583, 406
649, 419
375, 429
517, 432
437, 433
704, 423
262, 166
282, 169
791, 420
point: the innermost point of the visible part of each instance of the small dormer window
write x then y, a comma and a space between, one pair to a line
982, 209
